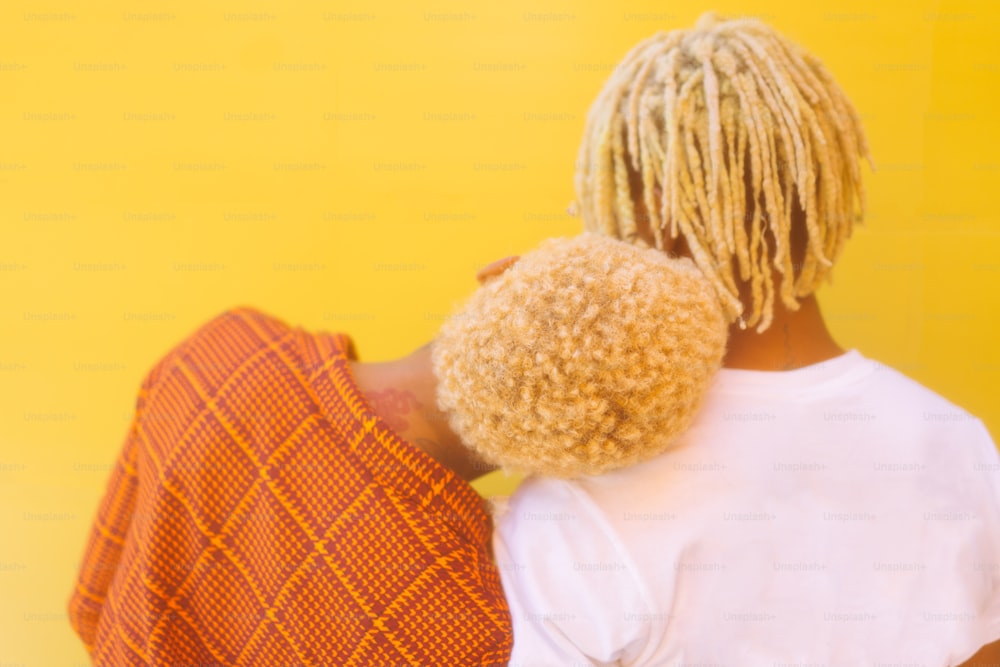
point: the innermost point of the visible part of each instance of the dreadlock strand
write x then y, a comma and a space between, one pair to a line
728, 172
703, 50
652, 161
739, 204
625, 208
673, 143
688, 98
767, 308
737, 134
605, 184
721, 256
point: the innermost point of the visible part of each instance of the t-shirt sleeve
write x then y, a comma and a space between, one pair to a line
986, 476
573, 593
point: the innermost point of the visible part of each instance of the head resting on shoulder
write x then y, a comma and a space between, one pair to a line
586, 355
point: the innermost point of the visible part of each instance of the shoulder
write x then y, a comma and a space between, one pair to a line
222, 342
555, 501
560, 519
243, 318
898, 390
575, 594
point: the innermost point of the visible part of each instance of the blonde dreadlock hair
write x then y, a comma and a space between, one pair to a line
684, 111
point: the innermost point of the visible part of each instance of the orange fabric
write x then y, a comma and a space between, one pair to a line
262, 514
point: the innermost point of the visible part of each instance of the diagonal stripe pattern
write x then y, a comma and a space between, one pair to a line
261, 513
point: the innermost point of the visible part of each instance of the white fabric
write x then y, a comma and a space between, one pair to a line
838, 514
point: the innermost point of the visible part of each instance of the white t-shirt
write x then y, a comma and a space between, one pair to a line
837, 514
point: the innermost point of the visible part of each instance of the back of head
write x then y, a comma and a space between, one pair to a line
736, 140
587, 355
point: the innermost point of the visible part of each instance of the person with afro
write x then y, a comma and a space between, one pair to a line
823, 508
280, 501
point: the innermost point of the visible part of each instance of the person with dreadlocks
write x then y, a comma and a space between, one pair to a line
822, 508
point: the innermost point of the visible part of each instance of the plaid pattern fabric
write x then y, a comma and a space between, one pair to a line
261, 513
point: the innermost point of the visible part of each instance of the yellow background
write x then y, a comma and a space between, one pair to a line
348, 166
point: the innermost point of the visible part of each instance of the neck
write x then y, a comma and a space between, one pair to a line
796, 338
403, 393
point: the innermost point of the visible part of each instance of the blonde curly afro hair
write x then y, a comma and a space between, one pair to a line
589, 354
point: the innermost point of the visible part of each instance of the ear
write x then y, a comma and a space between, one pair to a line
494, 269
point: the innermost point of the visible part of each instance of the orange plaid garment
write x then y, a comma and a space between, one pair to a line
262, 514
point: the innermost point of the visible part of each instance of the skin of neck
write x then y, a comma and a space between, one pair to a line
403, 392
796, 338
